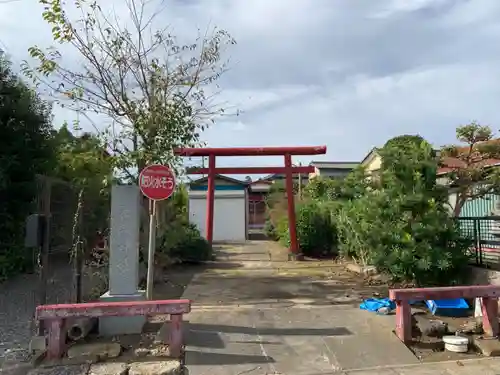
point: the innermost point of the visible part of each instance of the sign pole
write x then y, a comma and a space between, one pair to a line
151, 249
157, 182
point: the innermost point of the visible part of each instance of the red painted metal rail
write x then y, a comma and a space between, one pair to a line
447, 292
127, 308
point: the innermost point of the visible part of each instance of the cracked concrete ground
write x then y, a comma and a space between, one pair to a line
254, 313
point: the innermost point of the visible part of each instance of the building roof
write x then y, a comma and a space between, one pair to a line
370, 155
219, 177
264, 180
334, 164
449, 164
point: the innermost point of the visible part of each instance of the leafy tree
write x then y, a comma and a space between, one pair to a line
321, 188
399, 156
352, 186
469, 164
82, 160
25, 151
155, 94
406, 140
143, 91
403, 227
84, 163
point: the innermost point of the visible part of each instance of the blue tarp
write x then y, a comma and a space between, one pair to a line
374, 304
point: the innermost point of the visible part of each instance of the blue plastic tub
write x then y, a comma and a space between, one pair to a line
448, 307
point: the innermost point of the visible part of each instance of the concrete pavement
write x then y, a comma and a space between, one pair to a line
483, 366
255, 313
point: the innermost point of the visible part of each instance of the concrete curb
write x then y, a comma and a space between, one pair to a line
419, 365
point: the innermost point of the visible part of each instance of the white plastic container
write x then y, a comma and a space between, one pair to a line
457, 344
477, 308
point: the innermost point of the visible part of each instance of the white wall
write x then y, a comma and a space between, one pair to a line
230, 214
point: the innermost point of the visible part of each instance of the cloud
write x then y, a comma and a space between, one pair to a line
348, 74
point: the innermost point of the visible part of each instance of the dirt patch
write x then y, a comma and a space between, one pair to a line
431, 348
175, 279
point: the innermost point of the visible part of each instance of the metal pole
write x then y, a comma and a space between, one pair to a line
151, 249
44, 250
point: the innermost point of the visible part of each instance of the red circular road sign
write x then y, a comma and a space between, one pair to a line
157, 182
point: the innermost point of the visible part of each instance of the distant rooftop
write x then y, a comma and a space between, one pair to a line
335, 164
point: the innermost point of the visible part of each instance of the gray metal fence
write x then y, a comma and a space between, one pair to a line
485, 233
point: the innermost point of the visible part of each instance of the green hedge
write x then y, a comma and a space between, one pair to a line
183, 243
316, 233
402, 226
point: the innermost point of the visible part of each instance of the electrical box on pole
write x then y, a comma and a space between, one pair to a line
35, 230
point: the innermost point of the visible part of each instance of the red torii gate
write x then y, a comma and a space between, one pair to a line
288, 170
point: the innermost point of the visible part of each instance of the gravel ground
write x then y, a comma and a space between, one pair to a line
18, 299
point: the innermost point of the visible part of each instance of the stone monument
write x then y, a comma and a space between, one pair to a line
123, 259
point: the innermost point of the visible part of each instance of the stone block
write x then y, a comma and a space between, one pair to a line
99, 350
124, 240
122, 325
172, 367
489, 347
113, 368
362, 270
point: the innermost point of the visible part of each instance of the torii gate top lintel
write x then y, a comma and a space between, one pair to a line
289, 169
251, 151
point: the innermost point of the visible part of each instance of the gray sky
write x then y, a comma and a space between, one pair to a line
346, 73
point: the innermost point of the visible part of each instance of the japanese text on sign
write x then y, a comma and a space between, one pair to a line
157, 182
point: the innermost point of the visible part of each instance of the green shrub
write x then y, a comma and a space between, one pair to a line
270, 230
403, 227
316, 234
183, 243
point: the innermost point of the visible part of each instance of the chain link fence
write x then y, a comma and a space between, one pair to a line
73, 265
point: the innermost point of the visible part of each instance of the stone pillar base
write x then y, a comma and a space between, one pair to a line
121, 325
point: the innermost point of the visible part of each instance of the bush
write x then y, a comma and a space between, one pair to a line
270, 230
183, 243
427, 250
316, 234
403, 227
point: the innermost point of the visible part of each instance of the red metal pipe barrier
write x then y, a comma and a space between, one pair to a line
251, 151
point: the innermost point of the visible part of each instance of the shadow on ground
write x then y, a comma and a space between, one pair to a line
209, 335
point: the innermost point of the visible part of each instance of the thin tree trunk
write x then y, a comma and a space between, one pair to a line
458, 206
